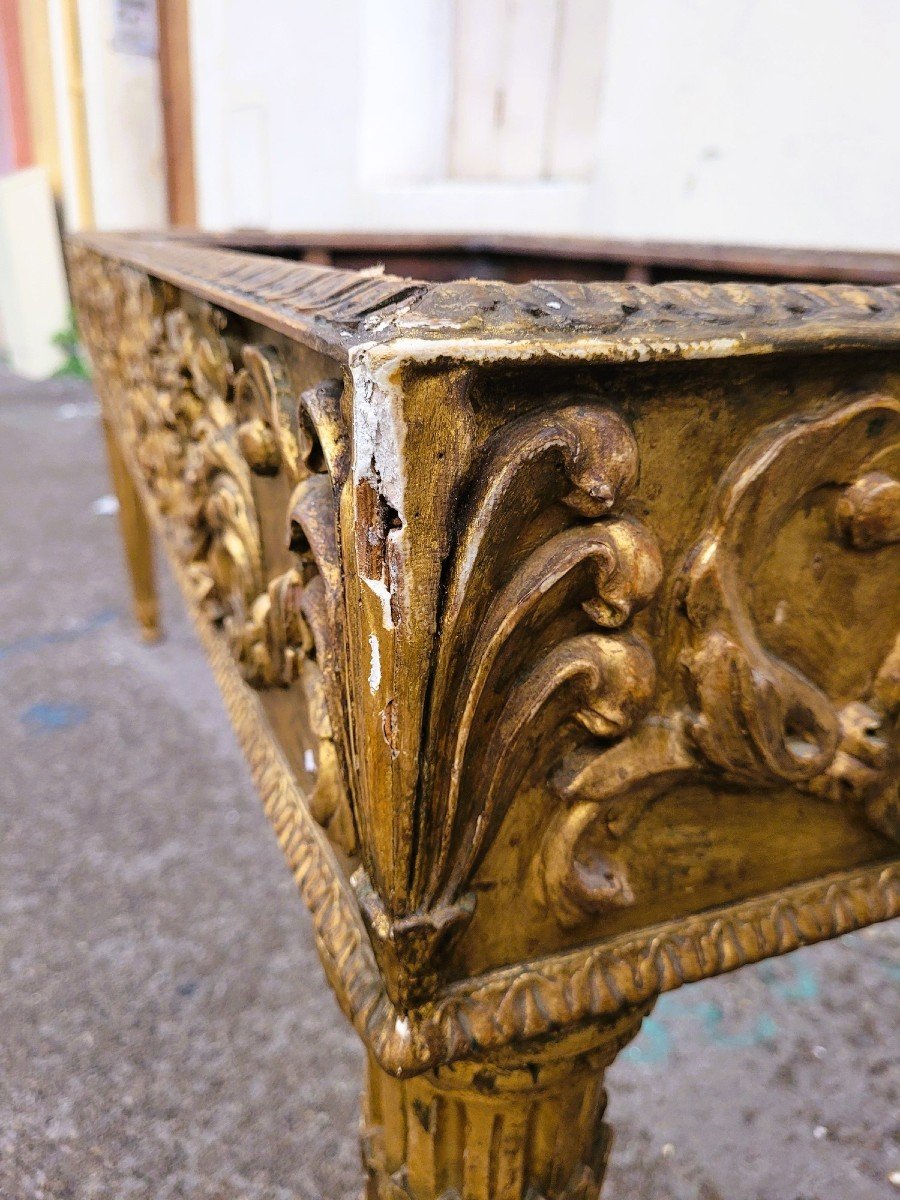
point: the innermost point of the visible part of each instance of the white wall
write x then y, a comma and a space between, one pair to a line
122, 102
339, 115
124, 122
276, 111
763, 121
756, 121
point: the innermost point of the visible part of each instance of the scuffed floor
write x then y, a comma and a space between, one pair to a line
165, 1029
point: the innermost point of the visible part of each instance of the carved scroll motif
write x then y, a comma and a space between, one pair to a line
312, 537
534, 632
198, 431
753, 719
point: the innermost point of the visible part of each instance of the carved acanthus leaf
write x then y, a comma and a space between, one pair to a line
262, 400
583, 457
272, 641
544, 579
312, 537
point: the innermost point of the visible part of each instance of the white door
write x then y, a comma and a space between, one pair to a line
751, 121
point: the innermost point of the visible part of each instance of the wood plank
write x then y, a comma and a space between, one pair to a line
177, 103
685, 258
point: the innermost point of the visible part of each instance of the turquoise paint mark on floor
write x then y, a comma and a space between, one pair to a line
654, 1044
802, 983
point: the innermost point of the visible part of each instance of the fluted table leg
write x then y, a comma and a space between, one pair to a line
523, 1127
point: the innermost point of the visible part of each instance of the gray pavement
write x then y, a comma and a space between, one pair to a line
165, 1029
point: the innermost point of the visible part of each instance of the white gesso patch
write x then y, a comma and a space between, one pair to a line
378, 435
309, 761
375, 666
383, 593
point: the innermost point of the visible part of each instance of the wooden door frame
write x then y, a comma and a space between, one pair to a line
177, 108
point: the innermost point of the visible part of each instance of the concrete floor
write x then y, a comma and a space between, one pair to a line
165, 1030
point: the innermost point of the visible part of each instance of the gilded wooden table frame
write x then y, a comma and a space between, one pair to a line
558, 624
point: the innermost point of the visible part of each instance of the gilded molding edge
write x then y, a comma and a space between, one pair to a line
350, 310
511, 1004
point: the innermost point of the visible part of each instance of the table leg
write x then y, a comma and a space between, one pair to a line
136, 538
524, 1127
